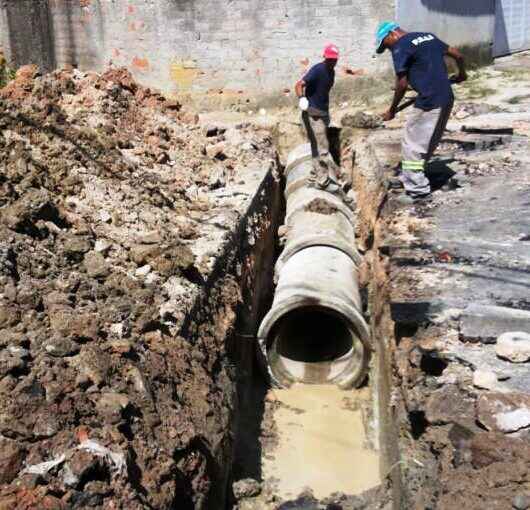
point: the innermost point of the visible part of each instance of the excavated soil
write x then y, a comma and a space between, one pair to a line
122, 267
449, 440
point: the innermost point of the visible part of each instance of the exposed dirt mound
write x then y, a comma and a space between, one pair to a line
104, 401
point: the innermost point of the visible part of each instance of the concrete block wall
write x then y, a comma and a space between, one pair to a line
464, 23
182, 46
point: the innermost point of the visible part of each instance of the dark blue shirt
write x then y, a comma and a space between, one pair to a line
421, 56
319, 80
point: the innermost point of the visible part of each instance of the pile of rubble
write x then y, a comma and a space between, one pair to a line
104, 188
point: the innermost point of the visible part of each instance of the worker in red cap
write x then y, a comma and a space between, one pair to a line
313, 91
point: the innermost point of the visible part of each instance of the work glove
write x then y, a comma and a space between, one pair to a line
303, 104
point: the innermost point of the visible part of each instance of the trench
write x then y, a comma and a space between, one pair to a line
338, 442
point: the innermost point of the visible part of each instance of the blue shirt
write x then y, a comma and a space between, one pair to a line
319, 80
421, 56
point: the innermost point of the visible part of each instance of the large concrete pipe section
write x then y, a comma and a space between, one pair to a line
314, 332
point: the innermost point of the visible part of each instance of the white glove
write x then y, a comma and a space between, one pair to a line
303, 104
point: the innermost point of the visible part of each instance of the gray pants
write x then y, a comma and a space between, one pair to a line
325, 170
423, 132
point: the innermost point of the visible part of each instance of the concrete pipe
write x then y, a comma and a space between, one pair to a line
314, 332
298, 168
317, 218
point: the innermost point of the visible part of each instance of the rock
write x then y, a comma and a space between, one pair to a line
111, 406
142, 254
485, 379
26, 210
117, 329
11, 363
45, 426
247, 488
9, 315
216, 150
92, 363
173, 260
152, 237
143, 271
66, 322
11, 459
514, 346
96, 265
18, 351
102, 246
105, 216
521, 502
504, 412
76, 245
121, 346
449, 405
61, 347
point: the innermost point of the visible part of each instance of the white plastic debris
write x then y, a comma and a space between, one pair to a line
45, 467
116, 459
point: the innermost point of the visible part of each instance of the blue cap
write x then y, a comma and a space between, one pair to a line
383, 30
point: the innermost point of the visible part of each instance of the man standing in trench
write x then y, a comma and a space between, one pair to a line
419, 62
313, 91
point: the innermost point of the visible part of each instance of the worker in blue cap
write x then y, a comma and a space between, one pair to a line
419, 62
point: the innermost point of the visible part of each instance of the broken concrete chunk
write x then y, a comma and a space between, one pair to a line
486, 323
514, 346
504, 412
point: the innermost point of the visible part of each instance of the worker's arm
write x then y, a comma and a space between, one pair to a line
402, 84
459, 59
299, 88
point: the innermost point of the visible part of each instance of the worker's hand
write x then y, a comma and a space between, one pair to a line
303, 104
389, 115
353, 72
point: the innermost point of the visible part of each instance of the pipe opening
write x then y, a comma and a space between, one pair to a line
312, 334
313, 345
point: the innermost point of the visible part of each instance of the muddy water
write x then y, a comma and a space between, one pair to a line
321, 443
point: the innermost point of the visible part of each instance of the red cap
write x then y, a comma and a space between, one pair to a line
331, 51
